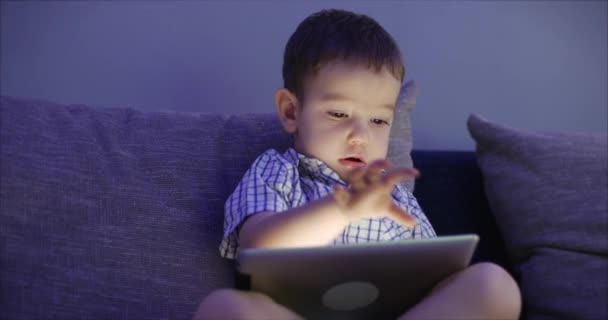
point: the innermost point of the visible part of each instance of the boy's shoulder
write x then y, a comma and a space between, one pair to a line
272, 162
272, 156
274, 169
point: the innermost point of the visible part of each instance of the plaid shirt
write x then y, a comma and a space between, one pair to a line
278, 182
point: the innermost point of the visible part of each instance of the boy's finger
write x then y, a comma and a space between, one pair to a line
355, 178
383, 163
356, 174
397, 175
341, 195
402, 217
374, 172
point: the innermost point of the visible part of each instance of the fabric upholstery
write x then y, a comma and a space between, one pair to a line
401, 140
115, 213
108, 213
549, 194
450, 192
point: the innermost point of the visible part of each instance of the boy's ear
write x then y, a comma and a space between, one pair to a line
287, 106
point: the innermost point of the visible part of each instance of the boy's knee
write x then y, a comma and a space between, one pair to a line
218, 303
221, 295
238, 304
497, 287
234, 297
492, 277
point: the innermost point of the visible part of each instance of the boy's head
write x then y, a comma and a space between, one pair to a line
342, 74
337, 35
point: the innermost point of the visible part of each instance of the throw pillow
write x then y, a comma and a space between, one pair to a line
548, 192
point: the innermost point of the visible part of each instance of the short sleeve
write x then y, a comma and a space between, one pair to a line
266, 186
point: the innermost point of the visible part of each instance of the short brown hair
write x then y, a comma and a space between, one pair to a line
334, 34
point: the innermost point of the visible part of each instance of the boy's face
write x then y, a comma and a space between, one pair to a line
347, 116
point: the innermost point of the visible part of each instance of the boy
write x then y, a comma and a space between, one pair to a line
342, 74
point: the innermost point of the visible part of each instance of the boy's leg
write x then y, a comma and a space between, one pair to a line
481, 291
238, 304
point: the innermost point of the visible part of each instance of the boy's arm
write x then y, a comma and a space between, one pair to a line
313, 224
318, 222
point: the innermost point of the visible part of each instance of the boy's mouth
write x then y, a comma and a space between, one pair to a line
352, 162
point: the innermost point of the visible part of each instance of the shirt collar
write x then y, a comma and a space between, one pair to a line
313, 168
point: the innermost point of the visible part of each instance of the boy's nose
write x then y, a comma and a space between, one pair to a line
358, 134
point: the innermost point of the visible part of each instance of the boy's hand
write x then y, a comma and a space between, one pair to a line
370, 190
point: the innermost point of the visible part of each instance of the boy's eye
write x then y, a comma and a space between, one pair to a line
380, 122
337, 114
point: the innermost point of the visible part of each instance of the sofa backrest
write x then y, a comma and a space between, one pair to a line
116, 213
111, 209
450, 190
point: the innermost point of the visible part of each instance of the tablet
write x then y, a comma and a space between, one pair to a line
363, 281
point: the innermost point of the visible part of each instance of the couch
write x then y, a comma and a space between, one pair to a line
117, 213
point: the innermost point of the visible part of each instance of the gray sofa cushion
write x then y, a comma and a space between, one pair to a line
549, 193
108, 213
113, 213
401, 142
